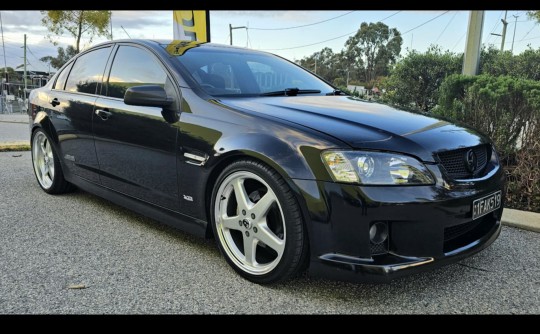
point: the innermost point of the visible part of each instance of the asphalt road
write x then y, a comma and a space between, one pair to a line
131, 264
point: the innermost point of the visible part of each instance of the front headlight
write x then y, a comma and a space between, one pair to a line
376, 168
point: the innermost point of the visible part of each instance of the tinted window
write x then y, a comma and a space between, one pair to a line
88, 71
61, 81
133, 66
238, 73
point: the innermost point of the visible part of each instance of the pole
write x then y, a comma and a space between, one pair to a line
348, 78
25, 66
505, 23
231, 28
513, 38
474, 41
110, 21
5, 64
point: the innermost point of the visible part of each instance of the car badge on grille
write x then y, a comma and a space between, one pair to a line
471, 161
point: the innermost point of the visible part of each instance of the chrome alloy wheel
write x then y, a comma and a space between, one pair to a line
43, 160
250, 222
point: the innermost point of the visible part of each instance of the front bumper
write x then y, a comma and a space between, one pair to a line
429, 226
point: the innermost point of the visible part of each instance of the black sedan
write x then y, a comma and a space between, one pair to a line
282, 169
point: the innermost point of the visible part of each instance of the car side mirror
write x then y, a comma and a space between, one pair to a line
147, 95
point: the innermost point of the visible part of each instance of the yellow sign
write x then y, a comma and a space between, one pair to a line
191, 25
177, 48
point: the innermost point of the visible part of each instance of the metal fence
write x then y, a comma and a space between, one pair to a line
13, 98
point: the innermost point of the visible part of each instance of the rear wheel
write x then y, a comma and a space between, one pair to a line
47, 167
257, 223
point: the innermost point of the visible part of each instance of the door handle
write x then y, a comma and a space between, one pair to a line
54, 102
104, 114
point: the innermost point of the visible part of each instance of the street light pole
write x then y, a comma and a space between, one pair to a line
513, 38
231, 28
505, 24
25, 66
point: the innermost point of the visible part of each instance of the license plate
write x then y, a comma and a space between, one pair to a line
486, 204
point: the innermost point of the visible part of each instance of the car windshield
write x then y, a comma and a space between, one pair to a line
236, 73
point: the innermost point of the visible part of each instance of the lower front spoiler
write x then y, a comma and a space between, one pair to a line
384, 268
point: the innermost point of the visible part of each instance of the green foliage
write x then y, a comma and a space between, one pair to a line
340, 82
374, 48
76, 23
414, 82
326, 64
12, 76
523, 178
534, 14
505, 108
524, 65
367, 55
63, 56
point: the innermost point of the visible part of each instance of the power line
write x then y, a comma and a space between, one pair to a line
528, 32
494, 27
418, 26
459, 40
328, 40
442, 32
36, 58
306, 25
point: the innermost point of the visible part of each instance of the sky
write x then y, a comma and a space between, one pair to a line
419, 29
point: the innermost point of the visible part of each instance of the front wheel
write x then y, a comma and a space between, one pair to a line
257, 223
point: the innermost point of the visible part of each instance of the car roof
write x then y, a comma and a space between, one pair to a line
167, 43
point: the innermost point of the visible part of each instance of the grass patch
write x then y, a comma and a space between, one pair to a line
14, 147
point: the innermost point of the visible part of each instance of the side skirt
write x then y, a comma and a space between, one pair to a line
177, 220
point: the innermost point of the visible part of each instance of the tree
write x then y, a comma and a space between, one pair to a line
534, 14
10, 74
415, 80
525, 65
63, 56
77, 23
374, 47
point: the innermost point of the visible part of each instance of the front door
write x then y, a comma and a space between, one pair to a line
136, 146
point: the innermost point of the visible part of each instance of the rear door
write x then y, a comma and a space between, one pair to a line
71, 106
136, 146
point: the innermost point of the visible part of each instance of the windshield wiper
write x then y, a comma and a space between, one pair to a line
336, 92
291, 92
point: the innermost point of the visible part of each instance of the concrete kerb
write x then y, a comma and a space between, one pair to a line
521, 219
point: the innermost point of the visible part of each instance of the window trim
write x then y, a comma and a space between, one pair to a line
105, 83
99, 84
68, 64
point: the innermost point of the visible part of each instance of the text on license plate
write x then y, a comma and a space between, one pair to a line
486, 204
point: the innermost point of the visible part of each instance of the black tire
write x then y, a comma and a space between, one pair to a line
295, 252
59, 184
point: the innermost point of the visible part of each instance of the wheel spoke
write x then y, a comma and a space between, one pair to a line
250, 246
42, 146
50, 168
260, 209
49, 150
43, 168
268, 237
241, 196
231, 223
